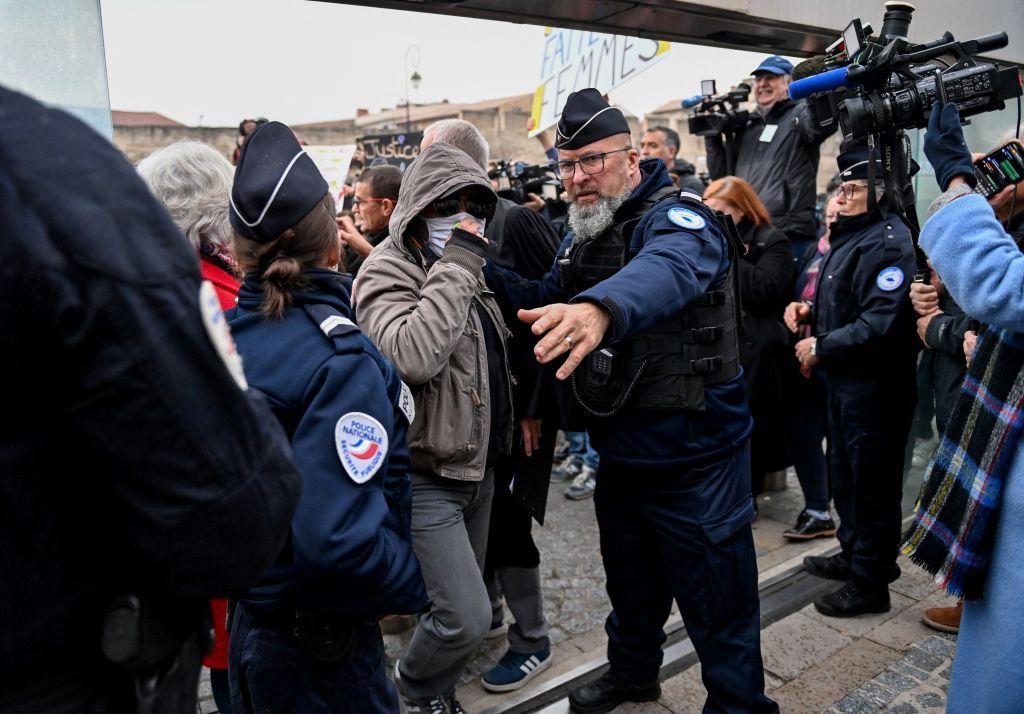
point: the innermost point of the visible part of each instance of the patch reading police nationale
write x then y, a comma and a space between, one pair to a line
362, 444
219, 332
685, 218
406, 403
889, 279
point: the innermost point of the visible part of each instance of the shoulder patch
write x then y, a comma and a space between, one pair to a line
685, 218
889, 279
362, 444
406, 403
220, 334
330, 323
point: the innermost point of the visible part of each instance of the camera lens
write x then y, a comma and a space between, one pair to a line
860, 116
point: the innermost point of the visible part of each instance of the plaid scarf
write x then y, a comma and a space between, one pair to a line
951, 536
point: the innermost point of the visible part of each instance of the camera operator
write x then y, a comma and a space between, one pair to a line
777, 153
660, 142
863, 338
969, 528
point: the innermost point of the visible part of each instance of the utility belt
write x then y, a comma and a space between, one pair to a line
326, 637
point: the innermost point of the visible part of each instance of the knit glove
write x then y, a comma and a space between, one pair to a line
945, 147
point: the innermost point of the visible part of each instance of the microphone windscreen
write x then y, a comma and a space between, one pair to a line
809, 67
692, 101
824, 82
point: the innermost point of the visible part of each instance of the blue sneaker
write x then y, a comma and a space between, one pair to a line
516, 669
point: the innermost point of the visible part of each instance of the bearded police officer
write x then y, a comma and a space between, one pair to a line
641, 306
864, 338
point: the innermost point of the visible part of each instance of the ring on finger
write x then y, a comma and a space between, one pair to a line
569, 341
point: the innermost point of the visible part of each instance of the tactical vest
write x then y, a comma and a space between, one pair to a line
669, 365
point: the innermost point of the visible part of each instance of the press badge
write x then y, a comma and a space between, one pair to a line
768, 132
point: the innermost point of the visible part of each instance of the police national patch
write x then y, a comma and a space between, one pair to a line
889, 279
219, 332
685, 218
362, 444
406, 403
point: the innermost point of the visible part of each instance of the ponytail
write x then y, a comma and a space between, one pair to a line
281, 264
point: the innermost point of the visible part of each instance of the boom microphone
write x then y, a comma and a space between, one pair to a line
824, 82
809, 67
691, 102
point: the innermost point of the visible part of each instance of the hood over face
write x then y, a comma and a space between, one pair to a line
437, 170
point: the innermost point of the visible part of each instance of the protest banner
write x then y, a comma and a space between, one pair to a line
333, 162
575, 59
394, 149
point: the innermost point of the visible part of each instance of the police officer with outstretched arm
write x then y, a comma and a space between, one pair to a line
864, 338
641, 306
140, 475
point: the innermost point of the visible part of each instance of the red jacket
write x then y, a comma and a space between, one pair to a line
227, 291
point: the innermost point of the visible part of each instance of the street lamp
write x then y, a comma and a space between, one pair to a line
414, 78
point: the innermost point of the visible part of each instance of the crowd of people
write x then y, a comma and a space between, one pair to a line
346, 416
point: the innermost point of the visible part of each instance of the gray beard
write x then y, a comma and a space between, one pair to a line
590, 221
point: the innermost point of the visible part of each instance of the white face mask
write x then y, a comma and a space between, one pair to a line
441, 228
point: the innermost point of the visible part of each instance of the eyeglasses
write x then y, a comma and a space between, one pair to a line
848, 190
358, 201
590, 164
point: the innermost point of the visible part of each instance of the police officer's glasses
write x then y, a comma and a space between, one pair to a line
590, 164
849, 190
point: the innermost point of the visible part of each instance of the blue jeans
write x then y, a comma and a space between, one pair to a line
269, 672
579, 446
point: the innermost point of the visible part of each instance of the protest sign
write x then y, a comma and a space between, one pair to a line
575, 59
333, 162
394, 149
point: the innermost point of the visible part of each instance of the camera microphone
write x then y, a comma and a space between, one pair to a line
691, 102
809, 67
824, 82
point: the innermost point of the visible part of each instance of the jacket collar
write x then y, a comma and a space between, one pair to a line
323, 287
847, 226
654, 176
778, 109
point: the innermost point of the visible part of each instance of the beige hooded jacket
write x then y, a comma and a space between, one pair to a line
425, 321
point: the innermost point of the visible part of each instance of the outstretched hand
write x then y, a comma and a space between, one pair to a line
577, 329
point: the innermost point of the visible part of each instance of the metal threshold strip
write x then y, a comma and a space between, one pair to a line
783, 590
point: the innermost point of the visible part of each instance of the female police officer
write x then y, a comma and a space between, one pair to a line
306, 637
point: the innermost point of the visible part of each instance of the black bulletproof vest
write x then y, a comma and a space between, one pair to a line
669, 365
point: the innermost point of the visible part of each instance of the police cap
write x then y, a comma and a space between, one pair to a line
276, 184
587, 118
853, 162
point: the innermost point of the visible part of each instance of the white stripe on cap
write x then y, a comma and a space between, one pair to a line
851, 167
273, 195
597, 114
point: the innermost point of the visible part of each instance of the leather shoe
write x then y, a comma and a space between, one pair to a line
808, 527
608, 692
834, 567
944, 619
854, 598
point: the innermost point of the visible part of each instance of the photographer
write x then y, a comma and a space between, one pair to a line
777, 153
864, 340
969, 527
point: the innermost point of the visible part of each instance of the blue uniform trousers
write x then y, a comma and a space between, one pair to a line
683, 532
269, 672
869, 422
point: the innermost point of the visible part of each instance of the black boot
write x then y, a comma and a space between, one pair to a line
608, 692
808, 527
854, 598
834, 567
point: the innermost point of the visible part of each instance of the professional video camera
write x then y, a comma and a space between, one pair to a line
517, 179
878, 85
717, 113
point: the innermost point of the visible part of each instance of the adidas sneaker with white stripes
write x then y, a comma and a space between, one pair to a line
516, 669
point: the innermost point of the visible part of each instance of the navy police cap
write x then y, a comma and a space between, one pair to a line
276, 184
774, 65
587, 118
853, 162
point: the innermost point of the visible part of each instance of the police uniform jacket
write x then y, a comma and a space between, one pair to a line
132, 461
862, 314
670, 265
778, 154
346, 412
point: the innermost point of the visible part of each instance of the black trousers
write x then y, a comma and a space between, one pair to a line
684, 533
869, 422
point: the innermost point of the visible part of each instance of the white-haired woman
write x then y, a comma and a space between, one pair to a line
193, 181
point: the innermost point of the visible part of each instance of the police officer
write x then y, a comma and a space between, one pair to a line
864, 340
647, 275
140, 475
306, 637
